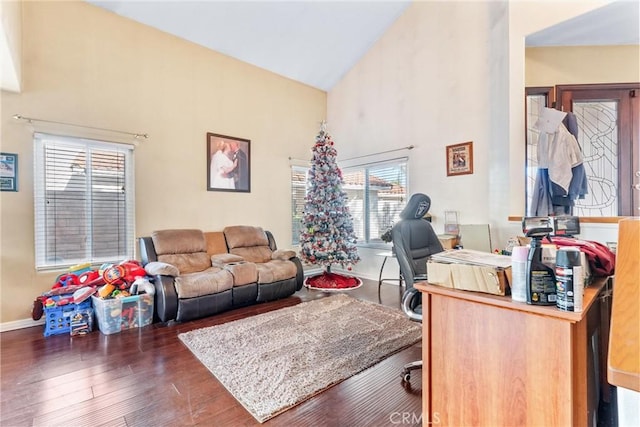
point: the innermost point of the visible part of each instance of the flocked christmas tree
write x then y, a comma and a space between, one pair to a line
327, 235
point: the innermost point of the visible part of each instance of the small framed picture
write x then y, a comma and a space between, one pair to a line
460, 159
228, 163
8, 172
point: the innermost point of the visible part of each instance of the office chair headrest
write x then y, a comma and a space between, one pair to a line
417, 206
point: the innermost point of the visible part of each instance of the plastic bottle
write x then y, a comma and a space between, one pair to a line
569, 279
519, 273
541, 279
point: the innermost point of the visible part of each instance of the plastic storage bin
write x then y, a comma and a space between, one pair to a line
58, 318
117, 314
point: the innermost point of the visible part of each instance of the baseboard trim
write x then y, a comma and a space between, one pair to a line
20, 324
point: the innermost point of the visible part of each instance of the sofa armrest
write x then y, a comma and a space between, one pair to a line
166, 298
282, 254
271, 239
220, 260
157, 268
299, 272
147, 250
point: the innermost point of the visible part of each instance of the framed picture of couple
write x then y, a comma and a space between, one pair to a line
228, 163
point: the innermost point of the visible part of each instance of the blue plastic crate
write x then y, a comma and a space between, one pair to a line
58, 318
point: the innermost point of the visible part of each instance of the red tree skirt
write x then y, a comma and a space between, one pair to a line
332, 282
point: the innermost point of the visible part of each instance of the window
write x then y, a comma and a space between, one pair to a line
84, 201
377, 193
298, 192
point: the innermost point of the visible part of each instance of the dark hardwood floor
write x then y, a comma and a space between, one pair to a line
147, 377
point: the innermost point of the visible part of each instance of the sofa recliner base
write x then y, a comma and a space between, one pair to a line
276, 290
205, 305
245, 295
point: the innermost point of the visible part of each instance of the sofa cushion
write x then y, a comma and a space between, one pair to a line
251, 243
283, 254
257, 254
210, 281
276, 270
216, 244
244, 273
245, 235
220, 260
185, 249
187, 263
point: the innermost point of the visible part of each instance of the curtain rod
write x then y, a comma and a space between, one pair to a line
30, 120
408, 147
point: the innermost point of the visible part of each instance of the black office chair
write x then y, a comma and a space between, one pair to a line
414, 241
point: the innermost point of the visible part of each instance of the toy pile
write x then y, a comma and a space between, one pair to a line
69, 297
80, 282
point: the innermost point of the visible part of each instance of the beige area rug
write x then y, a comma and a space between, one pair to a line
274, 361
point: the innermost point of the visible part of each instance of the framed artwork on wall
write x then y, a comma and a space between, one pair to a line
8, 172
228, 163
460, 159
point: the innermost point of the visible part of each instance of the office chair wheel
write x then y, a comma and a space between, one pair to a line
406, 376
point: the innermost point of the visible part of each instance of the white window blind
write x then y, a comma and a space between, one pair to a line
377, 193
298, 192
84, 201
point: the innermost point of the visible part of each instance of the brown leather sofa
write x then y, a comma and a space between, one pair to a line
198, 274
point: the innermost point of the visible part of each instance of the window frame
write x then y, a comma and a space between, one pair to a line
43, 260
403, 162
295, 182
297, 202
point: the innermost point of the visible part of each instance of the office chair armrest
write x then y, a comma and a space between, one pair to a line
407, 302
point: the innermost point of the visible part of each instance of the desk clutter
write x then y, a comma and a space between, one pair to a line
470, 270
549, 266
120, 296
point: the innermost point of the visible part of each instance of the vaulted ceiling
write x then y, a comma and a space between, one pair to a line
314, 42
317, 42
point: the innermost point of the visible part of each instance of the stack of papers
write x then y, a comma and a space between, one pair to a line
471, 257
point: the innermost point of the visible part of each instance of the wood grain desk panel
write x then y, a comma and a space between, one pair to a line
491, 361
624, 352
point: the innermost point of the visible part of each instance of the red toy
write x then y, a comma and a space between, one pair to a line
65, 280
114, 275
123, 274
88, 277
133, 270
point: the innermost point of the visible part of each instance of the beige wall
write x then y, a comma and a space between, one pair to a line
84, 65
550, 66
10, 45
428, 83
444, 73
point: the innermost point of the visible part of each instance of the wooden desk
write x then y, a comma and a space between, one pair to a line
489, 361
624, 353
